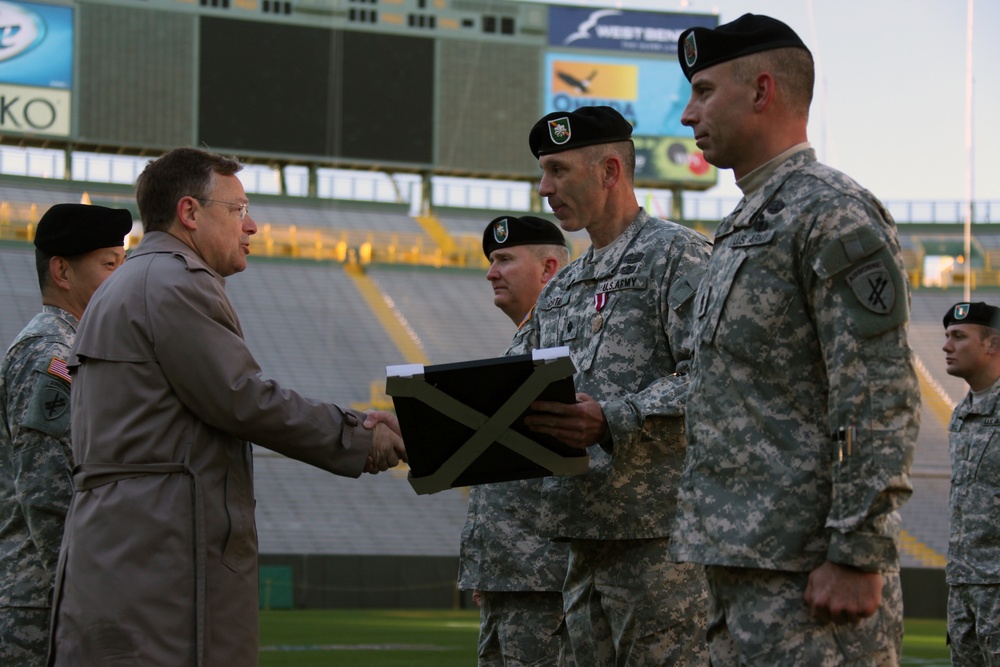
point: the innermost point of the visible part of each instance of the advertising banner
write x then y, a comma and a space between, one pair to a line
619, 30
36, 45
31, 110
651, 93
673, 160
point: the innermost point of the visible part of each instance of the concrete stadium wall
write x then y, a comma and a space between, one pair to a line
429, 582
925, 593
363, 582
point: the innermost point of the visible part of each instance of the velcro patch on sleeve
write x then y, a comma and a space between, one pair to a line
874, 295
48, 407
58, 368
860, 266
847, 251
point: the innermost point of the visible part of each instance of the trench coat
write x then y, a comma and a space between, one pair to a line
159, 558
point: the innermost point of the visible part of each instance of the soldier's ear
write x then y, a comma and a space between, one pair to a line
613, 170
550, 270
763, 91
59, 270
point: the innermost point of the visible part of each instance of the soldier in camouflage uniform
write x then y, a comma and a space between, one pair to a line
972, 352
624, 310
804, 404
516, 573
77, 247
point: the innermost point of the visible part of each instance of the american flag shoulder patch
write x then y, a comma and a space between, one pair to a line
58, 368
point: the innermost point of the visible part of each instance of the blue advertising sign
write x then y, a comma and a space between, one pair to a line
650, 92
36, 45
620, 30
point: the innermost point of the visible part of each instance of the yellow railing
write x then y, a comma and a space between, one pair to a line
434, 247
438, 233
355, 246
350, 246
18, 220
927, 556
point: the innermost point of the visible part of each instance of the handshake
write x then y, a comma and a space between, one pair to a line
387, 442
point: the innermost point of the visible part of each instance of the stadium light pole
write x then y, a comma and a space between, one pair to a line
969, 151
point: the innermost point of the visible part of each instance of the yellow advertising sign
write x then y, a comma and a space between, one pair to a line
595, 79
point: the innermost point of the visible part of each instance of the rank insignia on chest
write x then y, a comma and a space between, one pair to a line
873, 286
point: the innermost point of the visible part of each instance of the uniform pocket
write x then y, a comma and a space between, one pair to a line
987, 459
713, 295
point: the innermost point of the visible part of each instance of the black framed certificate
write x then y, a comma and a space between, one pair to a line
463, 423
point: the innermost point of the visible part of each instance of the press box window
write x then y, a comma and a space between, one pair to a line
505, 26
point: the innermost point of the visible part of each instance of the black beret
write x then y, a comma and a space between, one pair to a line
73, 229
699, 48
508, 231
586, 126
973, 313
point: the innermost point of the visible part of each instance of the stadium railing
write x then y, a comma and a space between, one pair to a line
432, 244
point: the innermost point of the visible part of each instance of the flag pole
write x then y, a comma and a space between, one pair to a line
969, 152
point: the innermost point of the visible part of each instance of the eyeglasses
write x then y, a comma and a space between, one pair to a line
244, 208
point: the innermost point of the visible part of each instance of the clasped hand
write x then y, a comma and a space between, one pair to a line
387, 442
842, 594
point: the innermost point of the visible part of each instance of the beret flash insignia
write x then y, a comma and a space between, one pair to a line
690, 50
500, 230
560, 131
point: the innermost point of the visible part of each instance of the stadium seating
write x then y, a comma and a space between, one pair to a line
316, 332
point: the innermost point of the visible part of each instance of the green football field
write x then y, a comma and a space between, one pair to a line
440, 638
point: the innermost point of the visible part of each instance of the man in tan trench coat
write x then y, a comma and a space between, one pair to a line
159, 558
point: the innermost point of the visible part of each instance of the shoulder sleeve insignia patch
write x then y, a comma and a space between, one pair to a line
54, 402
873, 287
47, 409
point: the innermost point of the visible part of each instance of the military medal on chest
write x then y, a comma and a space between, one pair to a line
600, 300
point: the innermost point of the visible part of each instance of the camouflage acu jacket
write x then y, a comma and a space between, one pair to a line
625, 314
973, 551
804, 404
35, 458
502, 548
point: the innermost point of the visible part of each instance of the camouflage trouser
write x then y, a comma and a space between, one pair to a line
24, 636
974, 625
628, 605
522, 628
760, 618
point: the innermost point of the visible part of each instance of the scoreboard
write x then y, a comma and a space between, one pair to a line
436, 86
